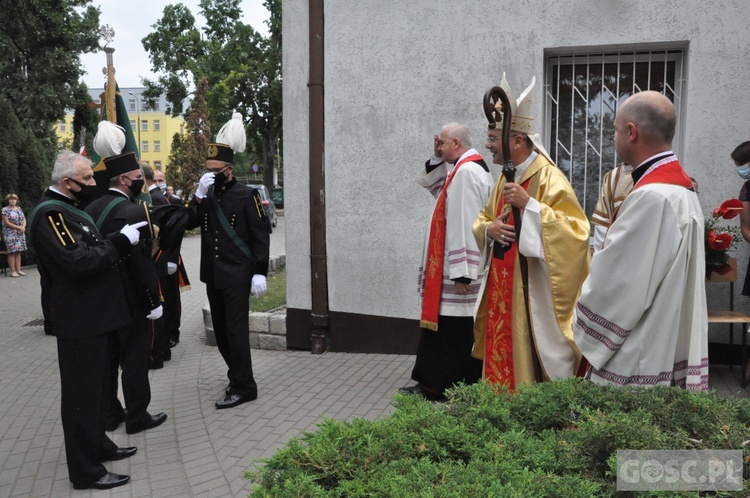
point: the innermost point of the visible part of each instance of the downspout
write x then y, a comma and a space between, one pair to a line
318, 256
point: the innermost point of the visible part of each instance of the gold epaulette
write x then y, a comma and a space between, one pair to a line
57, 222
258, 205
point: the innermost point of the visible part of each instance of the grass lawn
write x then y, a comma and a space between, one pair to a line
276, 295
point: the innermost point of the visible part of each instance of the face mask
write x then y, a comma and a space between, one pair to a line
744, 171
220, 178
136, 187
87, 193
162, 187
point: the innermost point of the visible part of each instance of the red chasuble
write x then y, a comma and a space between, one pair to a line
433, 284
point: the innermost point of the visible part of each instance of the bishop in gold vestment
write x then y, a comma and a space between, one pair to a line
554, 239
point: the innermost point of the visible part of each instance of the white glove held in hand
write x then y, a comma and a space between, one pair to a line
206, 181
258, 287
171, 268
132, 233
156, 313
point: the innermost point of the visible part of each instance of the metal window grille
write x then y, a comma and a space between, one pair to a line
582, 93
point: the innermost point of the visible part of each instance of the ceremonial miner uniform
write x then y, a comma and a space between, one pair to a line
86, 304
229, 259
132, 350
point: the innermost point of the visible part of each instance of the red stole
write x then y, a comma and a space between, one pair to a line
433, 278
498, 347
667, 170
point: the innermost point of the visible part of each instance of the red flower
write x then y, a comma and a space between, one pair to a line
719, 242
729, 209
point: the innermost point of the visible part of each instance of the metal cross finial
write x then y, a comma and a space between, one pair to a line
107, 33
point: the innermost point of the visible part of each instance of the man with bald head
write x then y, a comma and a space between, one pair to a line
641, 319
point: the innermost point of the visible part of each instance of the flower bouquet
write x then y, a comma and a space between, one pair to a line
719, 240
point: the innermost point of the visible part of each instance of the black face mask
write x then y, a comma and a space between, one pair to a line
87, 193
220, 178
136, 187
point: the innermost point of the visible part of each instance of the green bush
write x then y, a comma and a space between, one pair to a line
555, 439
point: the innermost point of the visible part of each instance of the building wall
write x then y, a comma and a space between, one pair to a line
396, 71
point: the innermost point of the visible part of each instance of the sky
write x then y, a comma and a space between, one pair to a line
132, 20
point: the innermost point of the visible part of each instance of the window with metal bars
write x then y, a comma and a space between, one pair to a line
582, 93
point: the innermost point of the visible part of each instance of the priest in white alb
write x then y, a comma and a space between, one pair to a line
641, 319
450, 274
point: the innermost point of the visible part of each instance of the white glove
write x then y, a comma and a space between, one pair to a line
156, 313
258, 287
132, 233
206, 181
171, 268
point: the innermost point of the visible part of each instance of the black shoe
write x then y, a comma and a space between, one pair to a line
232, 400
107, 481
150, 422
121, 454
156, 365
419, 391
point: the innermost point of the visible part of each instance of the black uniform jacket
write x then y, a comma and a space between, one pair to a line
172, 221
137, 270
157, 197
77, 269
223, 263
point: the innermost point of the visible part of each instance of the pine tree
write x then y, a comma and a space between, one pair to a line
193, 160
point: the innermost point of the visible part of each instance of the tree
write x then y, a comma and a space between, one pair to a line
85, 119
187, 158
40, 46
242, 68
40, 70
25, 160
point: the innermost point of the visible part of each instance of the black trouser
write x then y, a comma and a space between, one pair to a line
170, 288
444, 356
229, 314
131, 351
83, 366
160, 330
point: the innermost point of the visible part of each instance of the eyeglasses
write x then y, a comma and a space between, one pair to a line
492, 139
216, 171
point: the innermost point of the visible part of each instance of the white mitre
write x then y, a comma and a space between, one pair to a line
522, 114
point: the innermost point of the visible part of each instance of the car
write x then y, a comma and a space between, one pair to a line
277, 195
268, 206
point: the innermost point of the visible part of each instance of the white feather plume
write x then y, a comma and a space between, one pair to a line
233, 133
109, 139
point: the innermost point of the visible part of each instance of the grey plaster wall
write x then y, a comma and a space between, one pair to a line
396, 70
